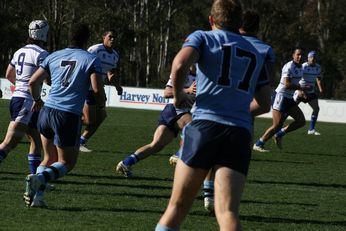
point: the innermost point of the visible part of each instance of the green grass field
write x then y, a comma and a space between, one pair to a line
301, 188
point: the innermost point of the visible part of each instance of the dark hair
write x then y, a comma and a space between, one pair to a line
227, 14
108, 31
251, 21
297, 48
79, 35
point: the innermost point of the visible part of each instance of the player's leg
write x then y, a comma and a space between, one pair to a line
277, 121
298, 119
34, 155
15, 132
315, 110
229, 185
187, 182
208, 191
162, 136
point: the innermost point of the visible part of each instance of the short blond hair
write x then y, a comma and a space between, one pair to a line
227, 14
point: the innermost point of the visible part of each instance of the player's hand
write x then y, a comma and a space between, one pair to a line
119, 90
192, 88
37, 105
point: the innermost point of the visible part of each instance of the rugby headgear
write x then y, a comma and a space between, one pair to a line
38, 30
312, 54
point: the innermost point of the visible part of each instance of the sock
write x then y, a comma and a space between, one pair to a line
260, 142
280, 133
3, 155
164, 228
131, 160
53, 172
83, 140
34, 160
313, 122
40, 169
208, 188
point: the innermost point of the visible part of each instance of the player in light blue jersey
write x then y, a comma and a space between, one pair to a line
284, 105
92, 115
171, 121
219, 135
24, 63
71, 71
311, 76
249, 29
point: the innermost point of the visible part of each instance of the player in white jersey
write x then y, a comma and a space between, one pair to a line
93, 116
311, 76
72, 71
24, 63
171, 121
284, 105
219, 135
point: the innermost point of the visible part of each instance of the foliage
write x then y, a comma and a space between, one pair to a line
150, 32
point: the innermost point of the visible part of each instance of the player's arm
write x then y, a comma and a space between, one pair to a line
98, 89
11, 73
319, 84
113, 77
261, 103
35, 84
180, 68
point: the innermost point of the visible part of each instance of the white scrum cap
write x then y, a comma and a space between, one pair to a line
38, 30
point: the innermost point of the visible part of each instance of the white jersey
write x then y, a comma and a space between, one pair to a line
109, 60
292, 71
26, 61
310, 74
189, 80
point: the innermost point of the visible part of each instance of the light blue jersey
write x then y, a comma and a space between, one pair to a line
266, 51
70, 71
227, 76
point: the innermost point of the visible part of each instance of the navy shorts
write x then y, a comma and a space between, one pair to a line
20, 110
207, 143
169, 117
63, 127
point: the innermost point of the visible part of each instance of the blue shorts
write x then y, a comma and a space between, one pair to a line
63, 127
207, 143
20, 110
169, 117
282, 103
310, 97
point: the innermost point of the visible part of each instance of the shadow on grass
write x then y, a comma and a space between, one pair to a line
290, 221
120, 177
134, 185
298, 184
281, 161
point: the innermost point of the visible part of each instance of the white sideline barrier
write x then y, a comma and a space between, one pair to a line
152, 99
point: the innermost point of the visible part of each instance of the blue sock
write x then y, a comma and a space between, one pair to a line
53, 172
280, 133
313, 122
40, 169
130, 160
82, 140
34, 161
208, 188
164, 228
3, 155
260, 142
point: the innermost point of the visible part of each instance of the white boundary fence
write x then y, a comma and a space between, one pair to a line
152, 99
